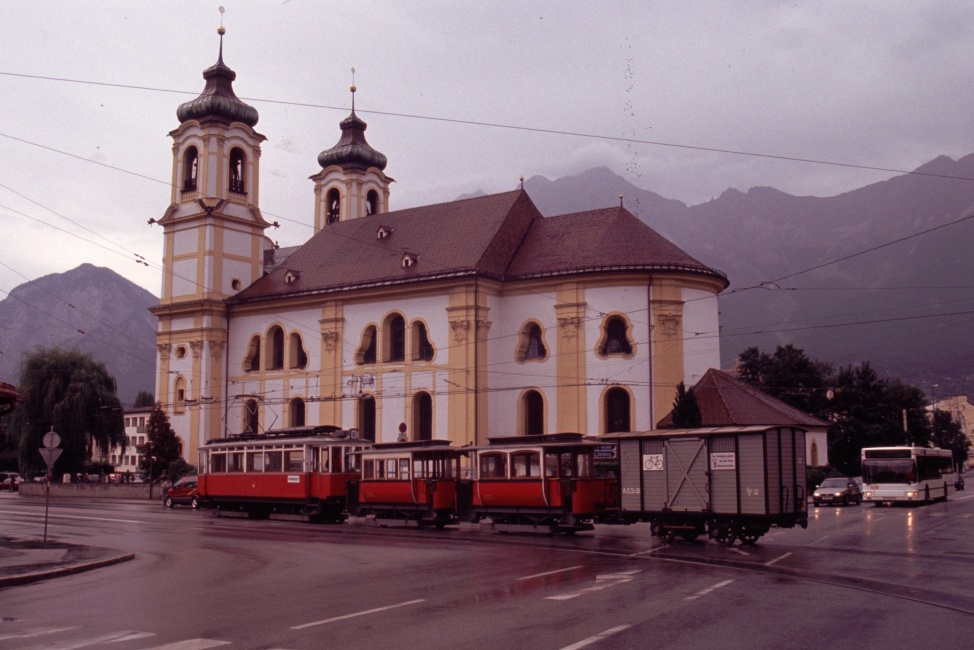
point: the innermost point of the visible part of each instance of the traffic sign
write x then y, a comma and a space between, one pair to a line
51, 439
50, 456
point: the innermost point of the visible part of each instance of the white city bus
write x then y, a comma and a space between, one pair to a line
917, 474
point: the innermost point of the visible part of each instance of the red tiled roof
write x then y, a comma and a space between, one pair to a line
726, 401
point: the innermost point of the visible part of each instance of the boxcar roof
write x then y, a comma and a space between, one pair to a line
699, 432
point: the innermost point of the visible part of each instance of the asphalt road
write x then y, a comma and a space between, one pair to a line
859, 577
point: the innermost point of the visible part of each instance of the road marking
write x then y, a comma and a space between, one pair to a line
191, 644
652, 550
706, 591
123, 521
551, 573
35, 631
366, 612
777, 559
738, 551
821, 539
603, 581
598, 637
133, 636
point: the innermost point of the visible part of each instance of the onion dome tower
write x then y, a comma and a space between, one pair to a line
214, 247
351, 183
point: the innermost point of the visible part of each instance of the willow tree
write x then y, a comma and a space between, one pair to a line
73, 394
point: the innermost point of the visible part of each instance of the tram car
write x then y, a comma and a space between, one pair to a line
300, 472
407, 484
537, 483
729, 482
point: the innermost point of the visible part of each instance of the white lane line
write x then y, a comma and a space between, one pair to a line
777, 559
133, 636
603, 581
191, 644
652, 550
123, 521
550, 573
36, 631
365, 613
598, 637
821, 539
738, 551
706, 591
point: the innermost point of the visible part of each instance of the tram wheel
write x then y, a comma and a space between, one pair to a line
749, 538
725, 536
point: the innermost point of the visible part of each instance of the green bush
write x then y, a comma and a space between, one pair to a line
815, 475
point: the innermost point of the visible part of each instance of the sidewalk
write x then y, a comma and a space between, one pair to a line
23, 560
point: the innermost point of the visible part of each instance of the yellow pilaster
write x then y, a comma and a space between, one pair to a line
570, 359
666, 312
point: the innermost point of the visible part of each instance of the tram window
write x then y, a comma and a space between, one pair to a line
551, 465
352, 460
273, 461
525, 465
586, 466
218, 462
419, 469
255, 461
369, 471
451, 468
235, 461
493, 466
336, 459
404, 469
567, 468
392, 465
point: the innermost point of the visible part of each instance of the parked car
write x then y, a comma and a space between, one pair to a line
183, 492
838, 490
10, 481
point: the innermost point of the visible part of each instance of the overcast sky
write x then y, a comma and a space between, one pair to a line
879, 83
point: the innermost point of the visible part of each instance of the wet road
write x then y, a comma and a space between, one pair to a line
859, 577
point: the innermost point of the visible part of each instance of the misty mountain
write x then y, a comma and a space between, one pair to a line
907, 307
89, 308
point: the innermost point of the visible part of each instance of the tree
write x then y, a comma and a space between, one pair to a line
686, 410
162, 446
788, 375
144, 398
947, 434
73, 394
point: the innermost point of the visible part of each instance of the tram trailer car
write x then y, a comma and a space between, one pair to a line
537, 483
407, 484
728, 482
300, 472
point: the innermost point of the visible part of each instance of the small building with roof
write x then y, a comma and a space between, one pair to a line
461, 320
727, 401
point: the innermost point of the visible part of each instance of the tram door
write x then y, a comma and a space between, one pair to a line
687, 489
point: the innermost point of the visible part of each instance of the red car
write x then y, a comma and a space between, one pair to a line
182, 492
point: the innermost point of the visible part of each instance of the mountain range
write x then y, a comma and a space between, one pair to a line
900, 296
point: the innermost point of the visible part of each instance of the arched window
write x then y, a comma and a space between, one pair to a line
533, 412
395, 338
531, 345
237, 160
250, 419
366, 417
252, 360
296, 412
617, 410
615, 337
422, 348
423, 416
179, 394
275, 349
190, 168
371, 203
366, 349
333, 205
297, 357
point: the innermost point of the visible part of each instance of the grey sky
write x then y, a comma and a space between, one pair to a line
884, 84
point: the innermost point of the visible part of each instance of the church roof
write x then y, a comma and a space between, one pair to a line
726, 401
499, 236
218, 99
352, 148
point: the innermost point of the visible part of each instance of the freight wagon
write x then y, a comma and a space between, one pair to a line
728, 482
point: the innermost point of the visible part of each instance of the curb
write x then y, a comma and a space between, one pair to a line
36, 576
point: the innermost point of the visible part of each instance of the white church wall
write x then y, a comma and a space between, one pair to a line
701, 334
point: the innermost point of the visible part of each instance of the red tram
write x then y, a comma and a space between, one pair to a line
538, 483
407, 484
302, 471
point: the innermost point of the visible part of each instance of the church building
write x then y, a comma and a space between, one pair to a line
462, 320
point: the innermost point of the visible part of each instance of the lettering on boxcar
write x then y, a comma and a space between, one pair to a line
630, 490
723, 460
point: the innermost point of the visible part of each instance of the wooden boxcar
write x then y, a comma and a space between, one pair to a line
730, 482
407, 484
538, 483
303, 471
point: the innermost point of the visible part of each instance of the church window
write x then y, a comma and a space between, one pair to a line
296, 415
333, 204
366, 350
190, 169
422, 348
366, 417
250, 419
180, 352
237, 161
532, 412
423, 416
252, 360
615, 339
236, 284
617, 411
531, 345
275, 348
298, 358
395, 338
179, 390
371, 203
